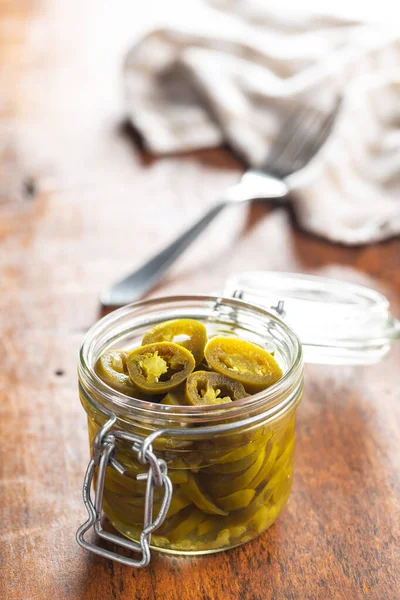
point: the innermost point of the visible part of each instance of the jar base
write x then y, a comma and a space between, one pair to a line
189, 552
197, 552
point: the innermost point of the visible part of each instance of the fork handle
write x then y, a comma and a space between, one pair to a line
141, 281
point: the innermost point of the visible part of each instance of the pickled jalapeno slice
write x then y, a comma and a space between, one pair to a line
186, 525
176, 397
178, 502
201, 499
252, 366
158, 368
237, 500
188, 333
111, 368
203, 387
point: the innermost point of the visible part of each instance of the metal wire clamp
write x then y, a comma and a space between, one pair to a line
104, 455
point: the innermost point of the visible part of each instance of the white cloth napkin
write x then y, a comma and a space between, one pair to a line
235, 70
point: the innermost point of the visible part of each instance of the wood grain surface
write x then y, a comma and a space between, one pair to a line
81, 204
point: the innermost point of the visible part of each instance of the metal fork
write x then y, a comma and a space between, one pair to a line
300, 138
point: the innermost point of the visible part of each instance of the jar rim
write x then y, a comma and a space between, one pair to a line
278, 397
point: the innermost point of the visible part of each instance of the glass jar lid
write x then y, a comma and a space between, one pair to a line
337, 322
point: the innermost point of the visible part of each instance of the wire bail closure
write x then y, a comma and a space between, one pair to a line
104, 453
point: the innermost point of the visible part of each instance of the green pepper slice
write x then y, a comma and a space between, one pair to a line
207, 526
204, 388
235, 455
202, 500
178, 476
237, 500
159, 368
186, 525
243, 361
228, 484
178, 503
263, 518
175, 397
284, 457
188, 333
266, 468
235, 467
111, 368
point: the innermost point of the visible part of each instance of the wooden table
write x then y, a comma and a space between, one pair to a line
81, 204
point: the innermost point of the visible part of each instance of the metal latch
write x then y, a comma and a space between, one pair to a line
104, 455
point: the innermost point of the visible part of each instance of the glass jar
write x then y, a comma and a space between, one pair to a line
188, 479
